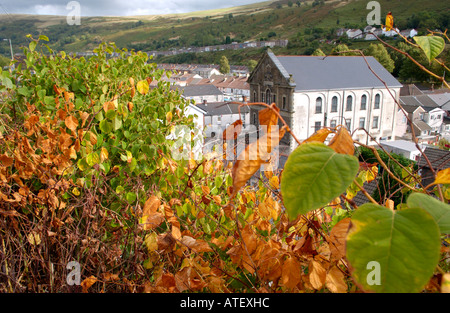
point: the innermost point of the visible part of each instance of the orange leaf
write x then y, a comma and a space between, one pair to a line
319, 135
338, 237
233, 130
84, 117
150, 217
251, 159
197, 245
108, 105
335, 281
6, 160
291, 273
342, 142
317, 275
71, 122
268, 117
87, 283
389, 21
130, 106
151, 205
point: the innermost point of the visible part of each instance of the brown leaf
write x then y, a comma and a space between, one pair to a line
342, 142
151, 205
71, 122
108, 105
317, 274
6, 160
87, 283
84, 117
251, 159
337, 238
197, 245
233, 130
130, 106
335, 281
291, 272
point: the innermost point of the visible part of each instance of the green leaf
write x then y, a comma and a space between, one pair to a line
313, 176
43, 37
105, 126
32, 45
440, 211
431, 45
131, 197
392, 251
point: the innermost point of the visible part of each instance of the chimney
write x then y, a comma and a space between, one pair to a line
205, 103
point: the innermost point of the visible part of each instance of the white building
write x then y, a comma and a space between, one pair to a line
314, 92
406, 148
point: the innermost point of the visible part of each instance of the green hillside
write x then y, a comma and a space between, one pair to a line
304, 23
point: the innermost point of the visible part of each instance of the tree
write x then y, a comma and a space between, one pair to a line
251, 64
379, 52
343, 49
224, 65
318, 52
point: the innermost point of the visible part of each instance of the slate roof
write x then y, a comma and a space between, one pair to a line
199, 90
222, 108
422, 100
439, 158
332, 72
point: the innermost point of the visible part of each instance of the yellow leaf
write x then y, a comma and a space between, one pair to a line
274, 182
131, 81
142, 87
319, 135
443, 177
151, 242
34, 238
445, 284
103, 154
75, 191
169, 116
389, 21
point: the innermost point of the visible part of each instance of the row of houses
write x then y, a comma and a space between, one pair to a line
231, 46
369, 31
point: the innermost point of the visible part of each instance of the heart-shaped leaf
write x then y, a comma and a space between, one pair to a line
314, 175
431, 45
439, 210
392, 251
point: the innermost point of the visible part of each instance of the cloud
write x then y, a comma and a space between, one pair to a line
116, 7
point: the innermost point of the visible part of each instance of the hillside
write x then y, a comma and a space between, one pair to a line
304, 23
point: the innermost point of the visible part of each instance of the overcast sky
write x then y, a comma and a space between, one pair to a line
115, 7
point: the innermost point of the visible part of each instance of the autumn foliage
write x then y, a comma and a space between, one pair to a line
87, 175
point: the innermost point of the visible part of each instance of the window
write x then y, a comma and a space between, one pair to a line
334, 104
317, 126
362, 122
333, 123
254, 118
284, 103
274, 97
348, 107
268, 96
363, 102
254, 97
375, 122
348, 123
219, 119
318, 105
262, 97
377, 101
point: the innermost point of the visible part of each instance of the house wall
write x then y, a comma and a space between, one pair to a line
305, 115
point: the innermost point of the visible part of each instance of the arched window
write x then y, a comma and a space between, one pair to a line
349, 105
268, 96
319, 105
377, 101
363, 102
334, 104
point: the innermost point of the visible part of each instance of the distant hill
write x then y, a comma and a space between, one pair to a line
304, 23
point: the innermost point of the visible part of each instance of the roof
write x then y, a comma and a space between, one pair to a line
421, 125
333, 72
199, 90
370, 187
439, 159
420, 100
410, 90
404, 145
222, 108
411, 108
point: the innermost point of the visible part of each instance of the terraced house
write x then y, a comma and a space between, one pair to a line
315, 91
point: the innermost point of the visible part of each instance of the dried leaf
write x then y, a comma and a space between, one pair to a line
268, 116
335, 281
6, 160
342, 142
34, 238
108, 105
233, 130
130, 106
319, 135
337, 238
197, 245
87, 283
317, 274
291, 272
71, 122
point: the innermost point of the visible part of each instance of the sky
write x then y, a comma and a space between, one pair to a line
114, 7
